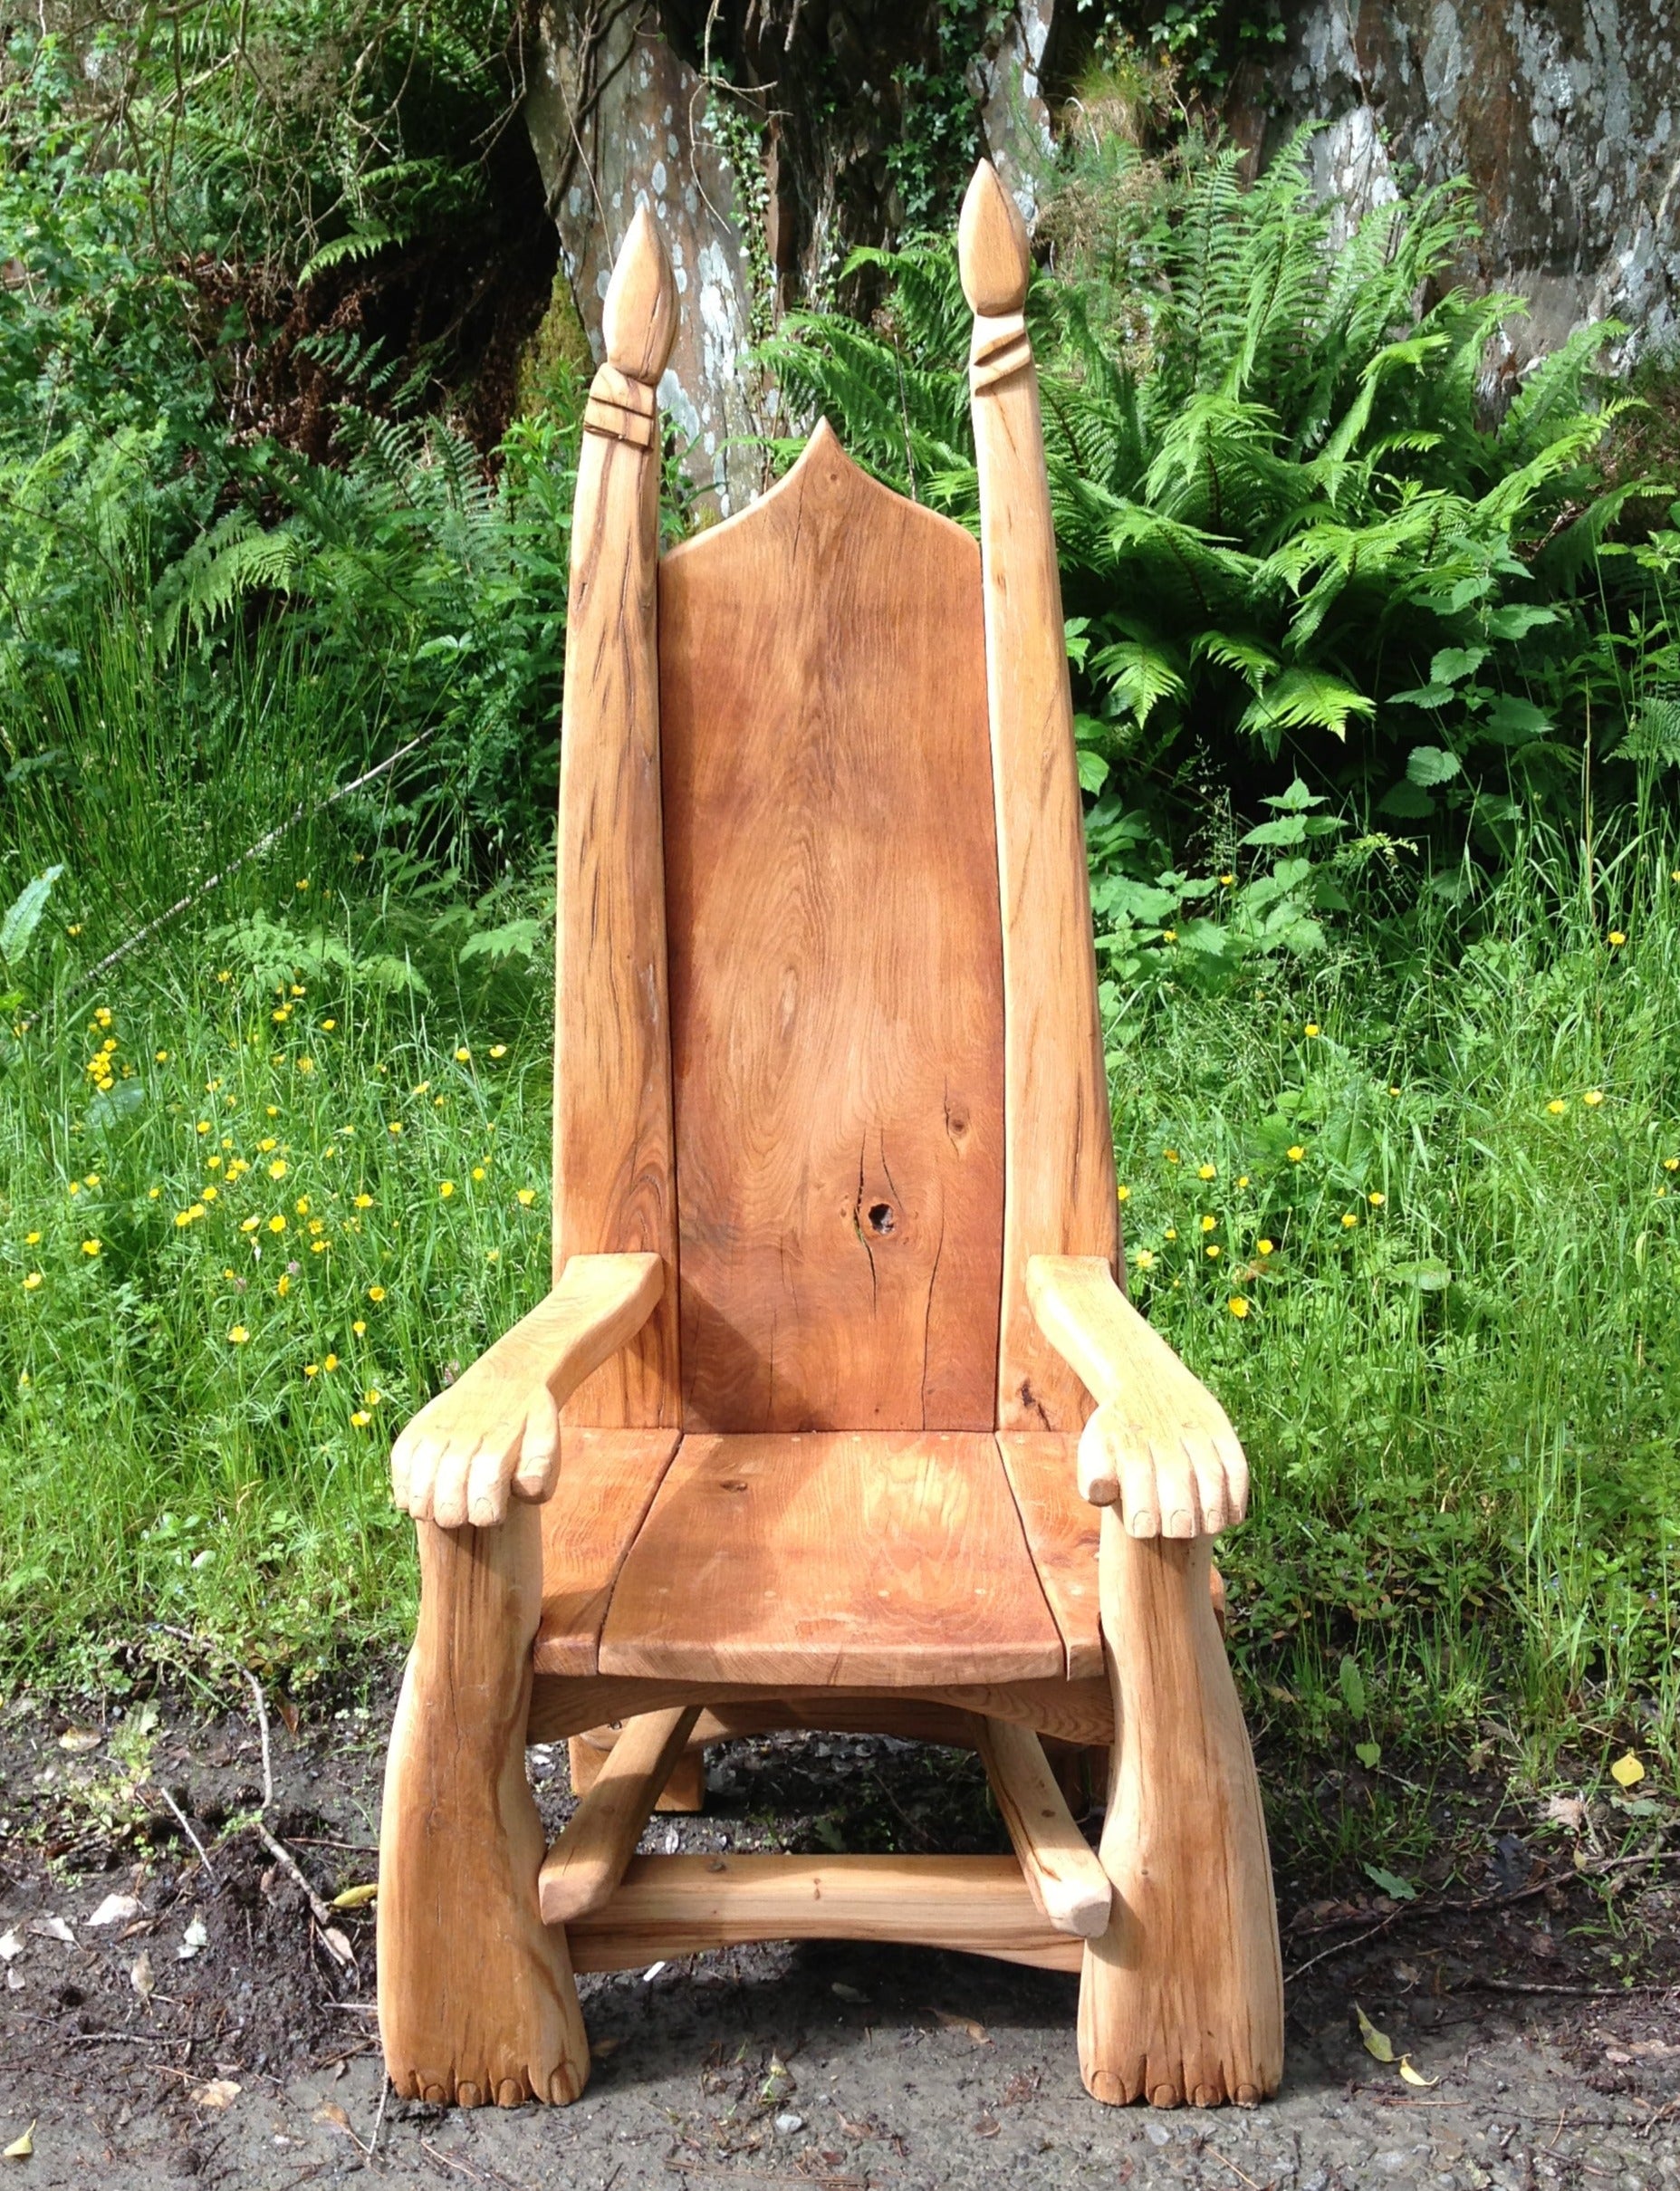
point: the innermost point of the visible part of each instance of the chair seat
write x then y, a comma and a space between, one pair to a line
819, 1558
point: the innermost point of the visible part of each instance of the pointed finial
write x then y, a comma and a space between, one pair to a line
992, 247
639, 319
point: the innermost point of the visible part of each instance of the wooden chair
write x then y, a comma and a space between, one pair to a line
800, 1436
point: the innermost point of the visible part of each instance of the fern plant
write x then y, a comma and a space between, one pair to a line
1292, 538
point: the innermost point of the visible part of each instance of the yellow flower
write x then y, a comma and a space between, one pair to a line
360, 1328
1265, 1247
283, 1285
478, 1171
1377, 1200
1350, 1219
185, 1216
1616, 940
278, 1169
276, 1223
305, 884
1557, 1107
1170, 1156
361, 1418
1216, 1252
1144, 1259
422, 1087
1242, 1180
91, 1247
526, 1197
446, 1188
317, 1224
1593, 1098
283, 1014
439, 1102
1237, 1306
1295, 1153
213, 1164
329, 1025
1312, 1027
239, 1335
372, 1397
249, 1225
1393, 1091
273, 1111
210, 1194
462, 1054
499, 1049
74, 1187
32, 1282
395, 1126
224, 976
317, 1247
1122, 1194
1171, 1233
75, 927
311, 1369
203, 1126
34, 1239
1226, 880
363, 1201
1206, 1172
302, 1205
1669, 1164
162, 1056
306, 1064
265, 1144
330, 1363
1209, 1224
1169, 935
376, 1292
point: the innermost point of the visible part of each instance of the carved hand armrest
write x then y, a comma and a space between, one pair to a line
497, 1426
1159, 1445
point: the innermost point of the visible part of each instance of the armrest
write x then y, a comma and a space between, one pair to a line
1159, 1446
498, 1427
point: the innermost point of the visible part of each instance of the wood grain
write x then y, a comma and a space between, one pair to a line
476, 1999
608, 1479
585, 1865
1159, 1444
1182, 1999
613, 1185
1061, 1197
1080, 1713
833, 1557
1061, 1870
836, 971
685, 1788
1061, 1535
673, 1906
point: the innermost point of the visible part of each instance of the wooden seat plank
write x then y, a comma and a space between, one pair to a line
833, 1558
608, 1479
1062, 1531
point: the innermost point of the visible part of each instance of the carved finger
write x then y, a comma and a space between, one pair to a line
1209, 1471
1139, 1497
1236, 1476
539, 1451
1098, 1470
401, 1455
449, 1486
489, 1472
1175, 1490
422, 1455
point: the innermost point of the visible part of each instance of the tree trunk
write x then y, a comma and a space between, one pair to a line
771, 139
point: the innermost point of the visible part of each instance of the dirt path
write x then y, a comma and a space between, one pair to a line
208, 2032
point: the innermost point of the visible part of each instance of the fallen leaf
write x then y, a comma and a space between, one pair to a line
116, 1909
22, 2148
1628, 1771
1369, 1754
288, 1712
53, 1928
192, 1940
1375, 2042
1408, 1974
79, 1741
356, 1898
330, 2112
1391, 1884
1568, 1811
952, 2023
1615, 2054
338, 1946
10, 1946
1411, 2076
220, 2092
140, 1977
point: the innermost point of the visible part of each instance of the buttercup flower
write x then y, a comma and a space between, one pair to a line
498, 1050
276, 1223
91, 1247
1593, 1098
462, 1054
1295, 1153
1350, 1219
1265, 1247
446, 1188
1122, 1194
32, 1280
239, 1335
1206, 1172
526, 1197
376, 1292
1237, 1306
1144, 1259
1312, 1027
1377, 1200
1557, 1107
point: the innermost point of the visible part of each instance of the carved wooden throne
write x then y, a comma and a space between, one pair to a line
800, 1438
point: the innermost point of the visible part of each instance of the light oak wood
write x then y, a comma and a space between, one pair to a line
1062, 1873
1080, 1713
895, 1559
1061, 1535
476, 1998
496, 1427
1182, 1999
586, 1863
1159, 1445
614, 1189
671, 1906
608, 1479
836, 969
683, 1792
1061, 1197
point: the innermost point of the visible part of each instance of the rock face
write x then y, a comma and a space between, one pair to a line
1565, 115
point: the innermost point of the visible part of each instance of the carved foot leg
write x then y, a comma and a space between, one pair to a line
476, 1997
683, 1792
1182, 1998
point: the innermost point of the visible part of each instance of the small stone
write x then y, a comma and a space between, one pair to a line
790, 2123
1158, 2133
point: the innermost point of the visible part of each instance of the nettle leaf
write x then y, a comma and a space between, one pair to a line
1455, 663
1518, 621
1351, 1682
1423, 695
23, 917
1093, 770
1406, 803
1512, 720
1427, 765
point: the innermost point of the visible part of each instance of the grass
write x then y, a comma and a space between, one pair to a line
1440, 1165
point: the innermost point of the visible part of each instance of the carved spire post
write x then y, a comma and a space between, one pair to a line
613, 1184
1059, 1199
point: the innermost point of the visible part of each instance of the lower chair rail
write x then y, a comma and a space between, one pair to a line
671, 1906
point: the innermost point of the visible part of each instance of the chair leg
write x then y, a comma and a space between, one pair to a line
683, 1792
476, 1997
1182, 1998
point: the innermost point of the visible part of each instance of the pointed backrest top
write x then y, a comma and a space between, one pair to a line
639, 318
992, 249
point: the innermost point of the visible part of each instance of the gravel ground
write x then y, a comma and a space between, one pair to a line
204, 2030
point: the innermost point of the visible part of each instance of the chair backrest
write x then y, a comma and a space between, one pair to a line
826, 1025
